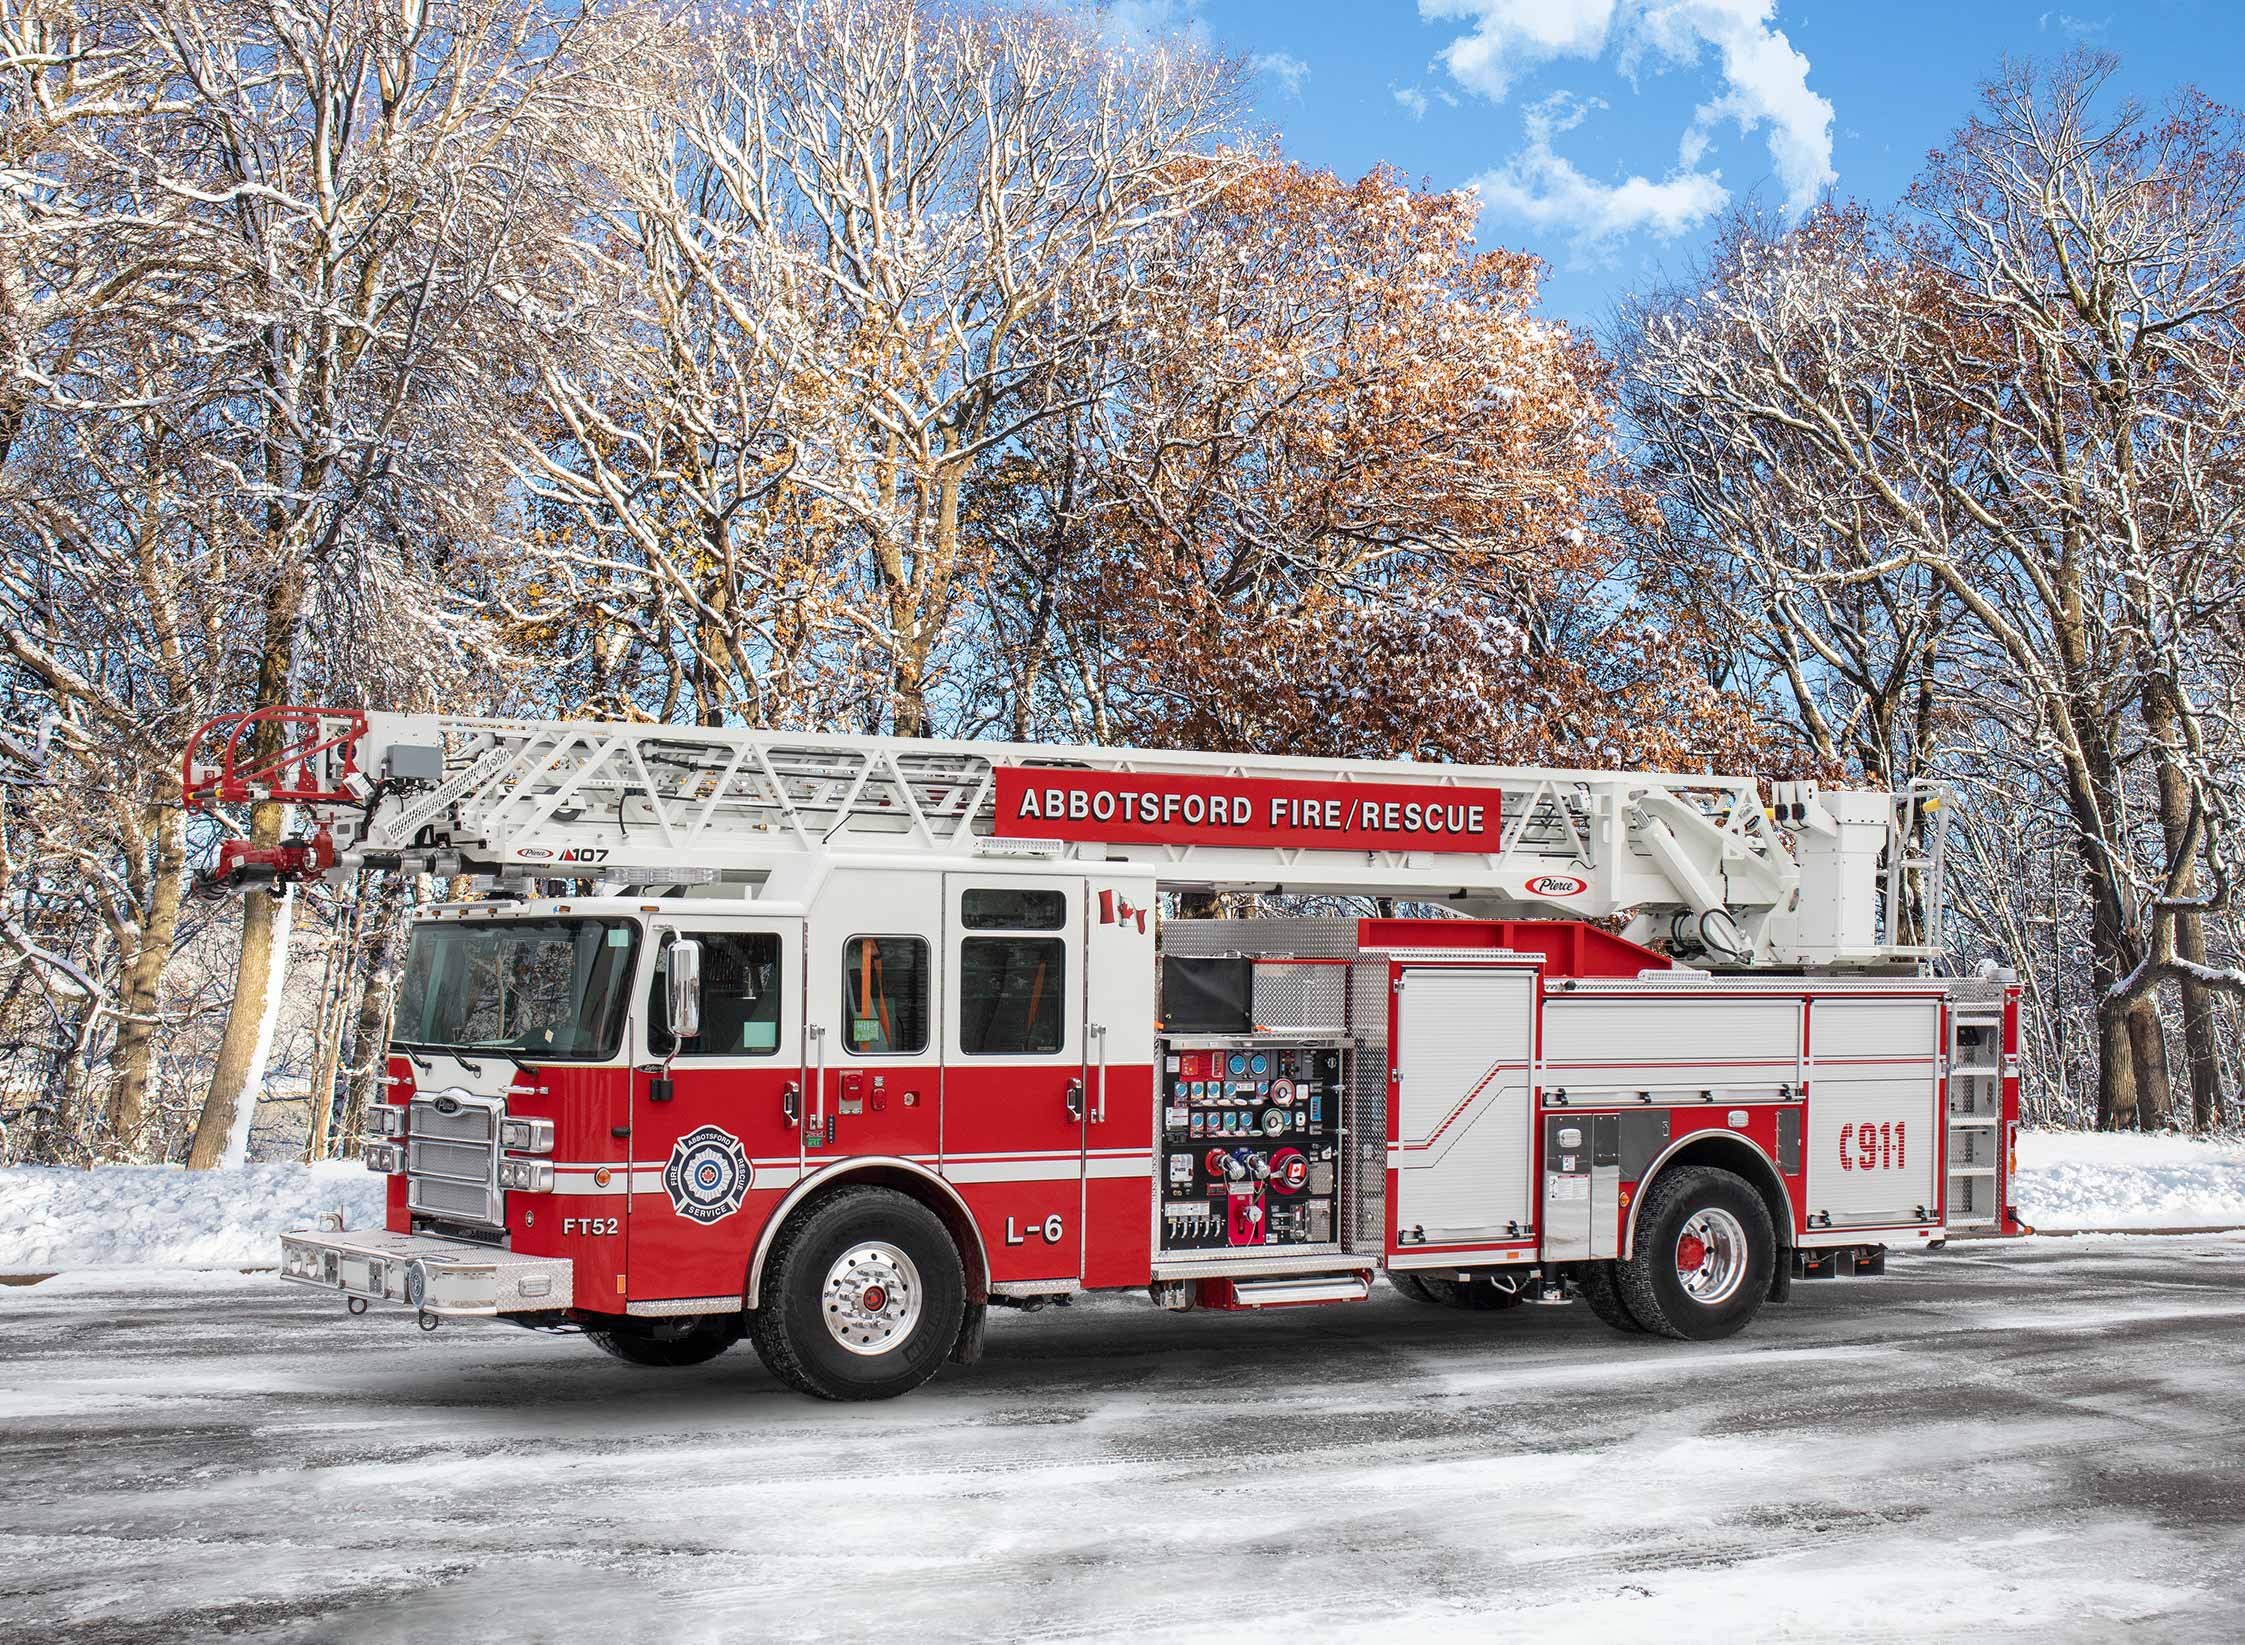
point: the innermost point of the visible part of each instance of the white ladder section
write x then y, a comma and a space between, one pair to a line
572, 797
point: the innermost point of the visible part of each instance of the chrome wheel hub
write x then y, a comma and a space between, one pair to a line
871, 1298
1711, 1255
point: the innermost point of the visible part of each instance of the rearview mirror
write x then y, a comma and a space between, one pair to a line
682, 971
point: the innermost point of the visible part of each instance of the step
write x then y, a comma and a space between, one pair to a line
1288, 1290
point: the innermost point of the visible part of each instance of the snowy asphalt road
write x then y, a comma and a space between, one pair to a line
2036, 1442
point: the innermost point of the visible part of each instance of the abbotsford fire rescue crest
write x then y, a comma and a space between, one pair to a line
708, 1174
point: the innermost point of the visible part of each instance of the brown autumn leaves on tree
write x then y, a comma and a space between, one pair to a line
1361, 503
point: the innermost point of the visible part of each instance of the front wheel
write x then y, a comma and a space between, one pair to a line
863, 1297
1704, 1254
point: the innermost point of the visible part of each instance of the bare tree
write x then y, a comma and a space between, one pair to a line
2029, 391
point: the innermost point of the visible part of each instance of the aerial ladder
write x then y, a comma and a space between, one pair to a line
1706, 868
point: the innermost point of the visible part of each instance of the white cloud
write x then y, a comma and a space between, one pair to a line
2074, 28
1764, 79
1509, 35
1413, 100
1543, 188
1284, 67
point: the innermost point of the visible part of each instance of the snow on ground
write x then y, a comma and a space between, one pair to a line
127, 1216
2028, 1442
2077, 1179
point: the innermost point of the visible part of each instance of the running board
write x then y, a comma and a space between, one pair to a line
1289, 1291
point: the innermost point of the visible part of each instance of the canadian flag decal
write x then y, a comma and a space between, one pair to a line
1114, 910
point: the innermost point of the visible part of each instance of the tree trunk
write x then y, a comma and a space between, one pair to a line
380, 930
134, 1056
2116, 1077
2147, 1044
330, 1034
2201, 1044
240, 1067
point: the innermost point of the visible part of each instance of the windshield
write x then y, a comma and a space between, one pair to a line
554, 989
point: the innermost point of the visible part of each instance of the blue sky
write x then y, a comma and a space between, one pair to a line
1604, 133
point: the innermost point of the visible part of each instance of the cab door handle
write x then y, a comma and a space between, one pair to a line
1075, 1099
791, 1102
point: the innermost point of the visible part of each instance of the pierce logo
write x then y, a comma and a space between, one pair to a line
446, 1105
707, 1175
1556, 885
534, 853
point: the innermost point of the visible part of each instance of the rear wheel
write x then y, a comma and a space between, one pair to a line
1704, 1253
863, 1297
1595, 1280
701, 1341
1481, 1294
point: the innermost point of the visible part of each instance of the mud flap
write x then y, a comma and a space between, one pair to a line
968, 1348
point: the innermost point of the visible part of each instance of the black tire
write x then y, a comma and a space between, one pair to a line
1595, 1280
1651, 1287
697, 1345
1479, 1295
789, 1324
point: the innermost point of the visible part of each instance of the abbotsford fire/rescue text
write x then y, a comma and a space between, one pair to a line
1247, 811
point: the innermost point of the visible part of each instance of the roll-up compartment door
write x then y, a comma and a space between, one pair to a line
1463, 1151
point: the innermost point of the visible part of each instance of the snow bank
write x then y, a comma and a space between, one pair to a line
126, 1216
2078, 1179
120, 1216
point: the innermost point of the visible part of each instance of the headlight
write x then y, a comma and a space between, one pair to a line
386, 1119
533, 1176
526, 1136
385, 1157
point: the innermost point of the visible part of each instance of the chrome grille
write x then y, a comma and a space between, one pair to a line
469, 1124
461, 1161
452, 1160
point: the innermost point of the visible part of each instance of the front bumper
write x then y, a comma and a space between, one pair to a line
446, 1278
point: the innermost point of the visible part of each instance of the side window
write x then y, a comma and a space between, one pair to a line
740, 998
885, 995
1010, 994
992, 908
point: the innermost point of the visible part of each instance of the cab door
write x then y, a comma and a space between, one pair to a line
876, 1073
1014, 1108
715, 1134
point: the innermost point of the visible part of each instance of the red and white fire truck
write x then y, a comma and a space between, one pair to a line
853, 1038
